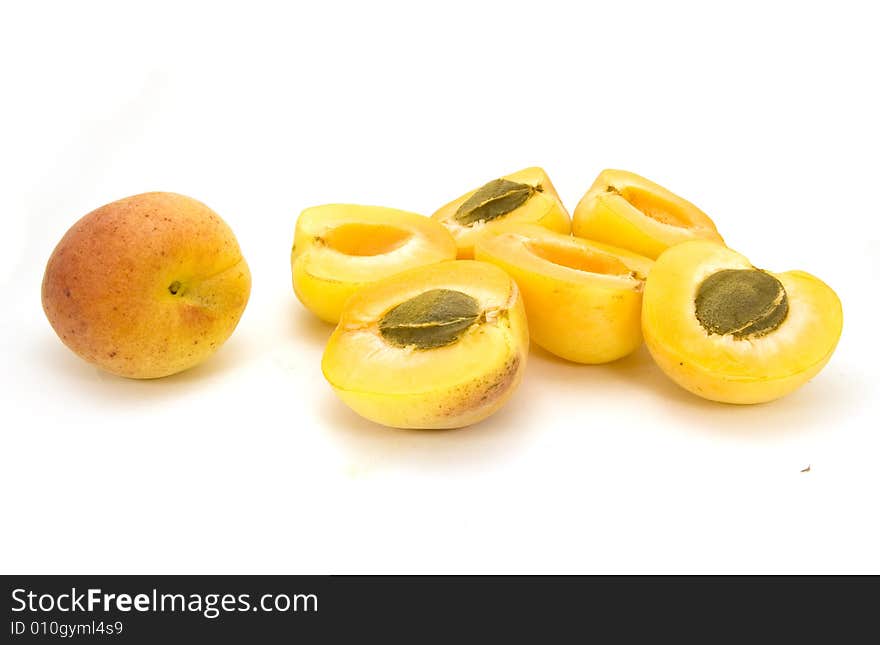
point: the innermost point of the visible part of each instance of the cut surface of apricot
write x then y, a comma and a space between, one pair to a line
526, 196
729, 332
440, 346
338, 248
629, 211
583, 299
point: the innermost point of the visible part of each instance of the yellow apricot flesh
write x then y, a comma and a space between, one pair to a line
457, 384
736, 367
339, 248
146, 286
583, 299
543, 207
631, 212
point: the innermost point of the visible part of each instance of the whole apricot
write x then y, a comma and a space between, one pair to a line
146, 286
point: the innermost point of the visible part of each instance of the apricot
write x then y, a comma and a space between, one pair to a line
730, 332
339, 248
583, 299
629, 211
441, 346
146, 286
525, 196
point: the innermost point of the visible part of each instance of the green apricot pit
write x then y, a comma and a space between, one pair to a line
744, 303
493, 200
432, 319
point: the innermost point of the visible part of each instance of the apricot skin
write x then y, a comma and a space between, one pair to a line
724, 369
468, 403
107, 286
447, 387
709, 385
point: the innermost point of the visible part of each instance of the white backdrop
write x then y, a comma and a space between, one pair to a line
764, 114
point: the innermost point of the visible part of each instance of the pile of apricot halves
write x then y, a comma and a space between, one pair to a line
434, 314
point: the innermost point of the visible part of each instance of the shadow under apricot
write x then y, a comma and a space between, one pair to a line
817, 404
372, 445
307, 325
87, 380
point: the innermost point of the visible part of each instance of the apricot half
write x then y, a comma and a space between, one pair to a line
339, 248
524, 196
441, 346
583, 299
146, 286
729, 332
629, 211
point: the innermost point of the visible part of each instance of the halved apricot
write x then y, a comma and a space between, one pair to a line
525, 196
339, 248
629, 211
441, 346
583, 299
729, 332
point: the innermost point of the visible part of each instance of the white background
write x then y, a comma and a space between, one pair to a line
764, 114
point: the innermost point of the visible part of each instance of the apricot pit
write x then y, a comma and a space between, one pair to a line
495, 199
741, 302
431, 319
526, 196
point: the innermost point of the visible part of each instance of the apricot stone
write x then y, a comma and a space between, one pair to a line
526, 196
